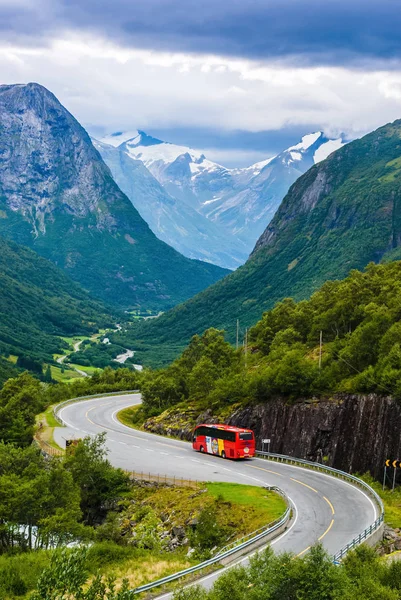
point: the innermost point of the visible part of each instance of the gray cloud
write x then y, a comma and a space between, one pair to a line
308, 31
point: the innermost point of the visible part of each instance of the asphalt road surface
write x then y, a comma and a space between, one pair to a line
326, 509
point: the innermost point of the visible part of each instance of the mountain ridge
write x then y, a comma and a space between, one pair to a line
340, 215
58, 197
240, 202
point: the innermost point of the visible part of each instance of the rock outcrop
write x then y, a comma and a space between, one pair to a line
58, 197
355, 433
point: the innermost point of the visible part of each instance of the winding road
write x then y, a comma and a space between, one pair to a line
326, 509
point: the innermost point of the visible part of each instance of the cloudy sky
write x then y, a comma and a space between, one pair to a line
240, 79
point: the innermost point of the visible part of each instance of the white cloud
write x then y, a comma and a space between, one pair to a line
118, 88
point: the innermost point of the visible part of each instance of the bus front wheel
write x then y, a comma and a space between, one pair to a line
223, 454
201, 449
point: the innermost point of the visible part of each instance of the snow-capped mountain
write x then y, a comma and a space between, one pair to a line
239, 202
258, 190
172, 220
185, 173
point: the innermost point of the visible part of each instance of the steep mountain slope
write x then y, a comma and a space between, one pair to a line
39, 302
239, 202
259, 189
58, 197
341, 214
172, 220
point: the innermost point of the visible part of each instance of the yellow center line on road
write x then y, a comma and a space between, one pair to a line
93, 408
330, 504
267, 470
305, 484
327, 530
250, 466
303, 552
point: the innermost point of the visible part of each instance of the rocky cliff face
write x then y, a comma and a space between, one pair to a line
58, 197
350, 432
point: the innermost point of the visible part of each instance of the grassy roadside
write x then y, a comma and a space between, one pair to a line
46, 422
391, 501
160, 510
131, 416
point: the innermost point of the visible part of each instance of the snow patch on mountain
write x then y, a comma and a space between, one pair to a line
239, 201
119, 137
326, 149
307, 141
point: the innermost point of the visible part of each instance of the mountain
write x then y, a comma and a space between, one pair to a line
239, 202
39, 302
172, 220
342, 214
258, 190
58, 197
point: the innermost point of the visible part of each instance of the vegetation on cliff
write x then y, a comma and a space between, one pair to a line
360, 322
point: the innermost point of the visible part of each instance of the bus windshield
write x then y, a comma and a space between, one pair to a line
246, 436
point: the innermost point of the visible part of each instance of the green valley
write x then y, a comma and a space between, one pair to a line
38, 305
342, 214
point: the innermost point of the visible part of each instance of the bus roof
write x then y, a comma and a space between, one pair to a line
223, 426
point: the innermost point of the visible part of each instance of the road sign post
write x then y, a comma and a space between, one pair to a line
266, 441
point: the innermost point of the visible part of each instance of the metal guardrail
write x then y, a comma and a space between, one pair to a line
343, 475
216, 559
92, 396
266, 532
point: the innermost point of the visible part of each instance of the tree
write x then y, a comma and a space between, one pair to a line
67, 579
100, 484
20, 400
47, 378
39, 501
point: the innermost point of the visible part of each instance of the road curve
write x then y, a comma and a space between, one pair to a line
326, 509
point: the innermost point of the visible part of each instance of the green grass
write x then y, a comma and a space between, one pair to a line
50, 418
132, 416
65, 377
73, 340
88, 370
271, 505
391, 501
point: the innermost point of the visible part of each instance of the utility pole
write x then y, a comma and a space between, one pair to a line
237, 333
246, 346
320, 349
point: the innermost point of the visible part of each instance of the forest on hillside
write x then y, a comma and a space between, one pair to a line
358, 319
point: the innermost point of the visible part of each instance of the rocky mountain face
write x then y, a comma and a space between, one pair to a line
355, 433
173, 220
58, 197
233, 204
341, 214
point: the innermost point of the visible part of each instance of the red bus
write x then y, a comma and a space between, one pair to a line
224, 440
